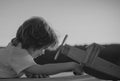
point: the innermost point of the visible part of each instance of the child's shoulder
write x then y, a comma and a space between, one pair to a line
16, 50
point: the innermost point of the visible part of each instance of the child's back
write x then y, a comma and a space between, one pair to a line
5, 70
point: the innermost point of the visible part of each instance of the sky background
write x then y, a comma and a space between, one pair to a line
85, 21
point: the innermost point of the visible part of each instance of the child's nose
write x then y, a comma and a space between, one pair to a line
43, 51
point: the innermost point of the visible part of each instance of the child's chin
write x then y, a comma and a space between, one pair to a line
36, 56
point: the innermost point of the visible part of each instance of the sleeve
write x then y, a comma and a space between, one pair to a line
20, 61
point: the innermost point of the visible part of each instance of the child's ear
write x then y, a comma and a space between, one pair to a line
19, 45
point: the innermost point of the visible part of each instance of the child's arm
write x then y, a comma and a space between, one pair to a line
50, 69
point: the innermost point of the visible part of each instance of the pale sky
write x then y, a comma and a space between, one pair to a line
85, 21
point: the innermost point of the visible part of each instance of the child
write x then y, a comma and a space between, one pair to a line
32, 38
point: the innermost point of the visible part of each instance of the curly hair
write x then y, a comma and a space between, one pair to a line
35, 33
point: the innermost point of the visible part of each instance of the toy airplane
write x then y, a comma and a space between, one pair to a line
92, 60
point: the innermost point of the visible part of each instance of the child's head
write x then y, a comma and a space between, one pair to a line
36, 33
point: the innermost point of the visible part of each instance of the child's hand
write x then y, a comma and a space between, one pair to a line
78, 69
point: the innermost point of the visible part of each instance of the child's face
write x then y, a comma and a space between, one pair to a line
37, 52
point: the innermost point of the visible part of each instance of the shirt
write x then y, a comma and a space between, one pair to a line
13, 61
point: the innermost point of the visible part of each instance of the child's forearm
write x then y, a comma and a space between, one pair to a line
51, 69
58, 67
